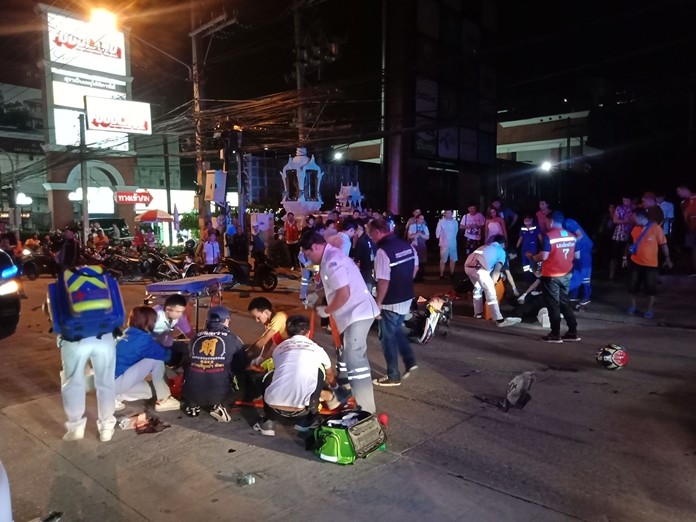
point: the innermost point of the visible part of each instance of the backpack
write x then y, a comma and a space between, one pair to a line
85, 302
358, 436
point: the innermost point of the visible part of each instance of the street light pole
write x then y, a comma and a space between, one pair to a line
84, 180
11, 204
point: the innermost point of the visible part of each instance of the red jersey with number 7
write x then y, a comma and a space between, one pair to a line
560, 244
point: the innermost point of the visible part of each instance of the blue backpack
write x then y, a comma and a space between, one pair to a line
85, 302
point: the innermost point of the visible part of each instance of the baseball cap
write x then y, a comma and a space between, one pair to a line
218, 314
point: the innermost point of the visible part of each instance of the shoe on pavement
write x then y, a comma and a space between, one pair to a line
106, 434
193, 411
309, 423
478, 316
220, 414
409, 371
168, 404
536, 293
552, 338
385, 381
585, 302
119, 406
572, 337
266, 428
509, 321
75, 434
521, 298
648, 314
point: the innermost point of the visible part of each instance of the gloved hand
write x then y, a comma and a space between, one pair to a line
321, 311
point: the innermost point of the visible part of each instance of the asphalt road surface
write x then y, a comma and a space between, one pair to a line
592, 444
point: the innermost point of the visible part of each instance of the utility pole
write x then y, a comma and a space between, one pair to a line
196, 34
84, 179
168, 184
241, 184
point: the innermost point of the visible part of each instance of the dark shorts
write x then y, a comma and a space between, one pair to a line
645, 276
618, 249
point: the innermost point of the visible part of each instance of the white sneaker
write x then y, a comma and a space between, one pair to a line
106, 434
509, 321
521, 298
119, 406
75, 434
168, 404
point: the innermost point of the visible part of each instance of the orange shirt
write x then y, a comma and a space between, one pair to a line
648, 246
689, 209
278, 324
101, 242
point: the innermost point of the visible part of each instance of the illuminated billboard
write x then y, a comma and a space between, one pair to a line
70, 88
67, 132
80, 44
109, 115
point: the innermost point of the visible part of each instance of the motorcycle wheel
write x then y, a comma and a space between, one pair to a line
268, 282
193, 271
31, 271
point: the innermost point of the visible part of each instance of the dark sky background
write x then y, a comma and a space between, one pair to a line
637, 59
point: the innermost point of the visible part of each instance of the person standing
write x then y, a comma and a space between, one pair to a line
647, 238
412, 220
581, 278
396, 264
495, 225
542, 213
69, 254
365, 255
528, 241
353, 309
556, 256
446, 233
688, 207
483, 267
472, 224
623, 219
211, 253
418, 235
292, 239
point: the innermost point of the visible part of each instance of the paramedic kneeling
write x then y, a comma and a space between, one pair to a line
295, 387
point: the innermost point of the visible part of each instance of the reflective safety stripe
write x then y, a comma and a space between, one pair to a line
411, 258
357, 370
479, 251
527, 268
568, 239
358, 377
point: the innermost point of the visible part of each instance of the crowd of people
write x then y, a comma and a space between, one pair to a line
365, 268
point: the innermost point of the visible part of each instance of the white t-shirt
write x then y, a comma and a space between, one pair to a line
473, 225
211, 251
447, 232
164, 327
338, 270
296, 362
345, 242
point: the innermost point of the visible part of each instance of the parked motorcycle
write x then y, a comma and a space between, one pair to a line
261, 275
427, 316
167, 268
34, 263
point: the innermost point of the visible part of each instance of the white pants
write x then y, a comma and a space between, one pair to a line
483, 284
131, 384
102, 354
5, 502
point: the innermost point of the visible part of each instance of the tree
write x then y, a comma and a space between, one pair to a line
189, 221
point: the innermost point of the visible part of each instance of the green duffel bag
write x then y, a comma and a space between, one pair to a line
346, 436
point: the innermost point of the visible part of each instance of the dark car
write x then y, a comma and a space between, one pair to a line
10, 302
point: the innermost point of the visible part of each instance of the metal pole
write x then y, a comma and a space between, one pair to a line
84, 179
298, 73
200, 175
241, 184
14, 181
168, 185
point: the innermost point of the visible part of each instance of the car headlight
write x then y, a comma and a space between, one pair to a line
11, 287
26, 252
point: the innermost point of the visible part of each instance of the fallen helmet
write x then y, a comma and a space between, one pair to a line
612, 357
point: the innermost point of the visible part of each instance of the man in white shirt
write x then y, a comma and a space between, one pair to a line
446, 232
294, 388
352, 307
472, 224
668, 212
211, 252
344, 238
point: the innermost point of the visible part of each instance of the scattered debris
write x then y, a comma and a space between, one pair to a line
246, 479
518, 391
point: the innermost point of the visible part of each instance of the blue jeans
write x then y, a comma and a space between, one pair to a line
395, 342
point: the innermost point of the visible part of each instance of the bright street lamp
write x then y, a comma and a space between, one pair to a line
104, 19
546, 166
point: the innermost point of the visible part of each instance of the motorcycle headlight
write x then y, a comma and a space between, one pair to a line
26, 252
10, 287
